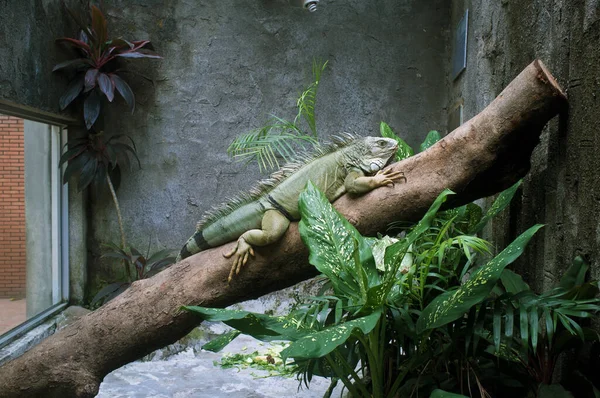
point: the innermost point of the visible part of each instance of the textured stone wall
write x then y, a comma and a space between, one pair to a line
228, 65
563, 188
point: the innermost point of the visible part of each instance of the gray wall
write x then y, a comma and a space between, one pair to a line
229, 64
563, 189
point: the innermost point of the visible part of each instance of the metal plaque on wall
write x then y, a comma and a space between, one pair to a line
459, 59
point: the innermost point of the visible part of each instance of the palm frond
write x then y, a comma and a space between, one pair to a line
307, 100
268, 145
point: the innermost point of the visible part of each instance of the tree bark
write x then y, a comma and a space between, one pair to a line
483, 156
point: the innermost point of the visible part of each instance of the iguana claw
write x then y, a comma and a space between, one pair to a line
241, 253
387, 177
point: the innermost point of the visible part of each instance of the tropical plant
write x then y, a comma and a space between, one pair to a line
96, 72
97, 158
417, 315
144, 265
280, 138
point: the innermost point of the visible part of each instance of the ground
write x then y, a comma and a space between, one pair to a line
194, 375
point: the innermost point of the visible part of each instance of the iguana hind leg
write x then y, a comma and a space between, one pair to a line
273, 226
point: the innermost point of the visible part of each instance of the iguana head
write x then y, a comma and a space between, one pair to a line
373, 153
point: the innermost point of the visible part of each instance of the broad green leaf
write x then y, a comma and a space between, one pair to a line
319, 344
332, 242
553, 391
220, 342
450, 306
404, 150
445, 394
512, 282
575, 275
499, 204
259, 326
432, 137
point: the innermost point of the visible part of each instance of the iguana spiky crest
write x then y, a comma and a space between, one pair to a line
264, 186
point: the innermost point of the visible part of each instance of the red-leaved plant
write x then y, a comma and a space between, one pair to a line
96, 72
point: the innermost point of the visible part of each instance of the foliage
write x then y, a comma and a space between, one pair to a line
96, 72
279, 138
430, 320
95, 158
145, 266
405, 150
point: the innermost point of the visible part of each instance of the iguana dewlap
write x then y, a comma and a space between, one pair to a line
257, 219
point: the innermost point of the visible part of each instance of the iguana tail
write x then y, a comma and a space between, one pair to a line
225, 229
194, 245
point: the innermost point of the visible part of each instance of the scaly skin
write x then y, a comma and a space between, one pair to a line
266, 218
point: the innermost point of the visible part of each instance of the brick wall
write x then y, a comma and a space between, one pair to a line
12, 208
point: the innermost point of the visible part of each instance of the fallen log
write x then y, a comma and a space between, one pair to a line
483, 156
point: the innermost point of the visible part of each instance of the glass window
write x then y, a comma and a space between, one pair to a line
33, 220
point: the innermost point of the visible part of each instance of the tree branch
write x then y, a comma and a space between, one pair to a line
484, 156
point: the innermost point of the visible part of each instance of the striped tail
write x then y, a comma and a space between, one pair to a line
194, 245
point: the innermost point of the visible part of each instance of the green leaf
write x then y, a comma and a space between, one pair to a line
448, 307
218, 343
534, 327
499, 204
259, 326
332, 242
497, 326
512, 282
432, 137
445, 394
404, 150
575, 275
317, 345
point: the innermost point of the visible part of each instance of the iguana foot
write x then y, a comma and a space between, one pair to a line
240, 253
387, 177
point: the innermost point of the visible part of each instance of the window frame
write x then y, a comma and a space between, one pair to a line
58, 126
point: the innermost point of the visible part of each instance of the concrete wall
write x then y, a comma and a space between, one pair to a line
563, 189
227, 65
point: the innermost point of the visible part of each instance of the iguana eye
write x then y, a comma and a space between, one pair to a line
382, 143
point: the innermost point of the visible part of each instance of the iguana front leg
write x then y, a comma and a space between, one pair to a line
356, 181
273, 226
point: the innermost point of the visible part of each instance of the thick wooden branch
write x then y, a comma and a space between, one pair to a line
485, 155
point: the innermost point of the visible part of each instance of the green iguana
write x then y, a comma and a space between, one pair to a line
261, 217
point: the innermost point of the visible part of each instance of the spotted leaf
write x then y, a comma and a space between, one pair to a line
449, 306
